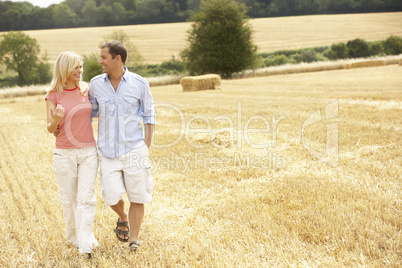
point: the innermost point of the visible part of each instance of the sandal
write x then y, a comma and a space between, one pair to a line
88, 256
134, 245
121, 232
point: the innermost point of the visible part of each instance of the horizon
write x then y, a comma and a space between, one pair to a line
40, 3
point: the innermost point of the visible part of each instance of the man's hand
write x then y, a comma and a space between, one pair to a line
148, 143
148, 131
57, 132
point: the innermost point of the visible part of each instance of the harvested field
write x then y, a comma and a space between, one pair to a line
235, 183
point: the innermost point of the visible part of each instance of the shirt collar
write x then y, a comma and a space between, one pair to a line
124, 77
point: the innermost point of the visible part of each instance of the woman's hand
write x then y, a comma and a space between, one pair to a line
57, 114
54, 116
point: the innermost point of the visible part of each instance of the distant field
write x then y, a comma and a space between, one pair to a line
159, 42
290, 170
235, 183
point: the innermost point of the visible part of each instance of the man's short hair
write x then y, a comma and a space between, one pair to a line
116, 48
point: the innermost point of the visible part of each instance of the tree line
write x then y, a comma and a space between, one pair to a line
219, 42
90, 13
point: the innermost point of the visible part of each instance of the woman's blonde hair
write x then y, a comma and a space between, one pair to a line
65, 65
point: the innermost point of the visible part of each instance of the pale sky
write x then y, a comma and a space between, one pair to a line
40, 3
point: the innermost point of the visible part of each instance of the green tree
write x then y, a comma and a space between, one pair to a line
150, 11
76, 5
134, 57
393, 45
89, 11
257, 8
220, 40
337, 51
39, 18
358, 48
308, 55
18, 51
376, 48
340, 6
64, 16
193, 4
105, 15
10, 19
91, 67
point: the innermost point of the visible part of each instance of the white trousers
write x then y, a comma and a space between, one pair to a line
76, 171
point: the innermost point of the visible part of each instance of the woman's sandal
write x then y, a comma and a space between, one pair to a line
134, 245
121, 232
88, 256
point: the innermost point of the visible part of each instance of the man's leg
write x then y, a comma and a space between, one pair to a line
119, 209
139, 185
112, 185
136, 214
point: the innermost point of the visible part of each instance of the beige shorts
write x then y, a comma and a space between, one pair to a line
129, 173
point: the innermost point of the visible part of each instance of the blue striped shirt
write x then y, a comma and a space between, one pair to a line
120, 112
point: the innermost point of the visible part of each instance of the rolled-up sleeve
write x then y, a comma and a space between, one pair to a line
147, 106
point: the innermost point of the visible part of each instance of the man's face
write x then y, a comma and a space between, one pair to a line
108, 64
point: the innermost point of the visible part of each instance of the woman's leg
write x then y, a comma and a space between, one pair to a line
65, 169
86, 200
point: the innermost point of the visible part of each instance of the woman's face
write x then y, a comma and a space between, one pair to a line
75, 76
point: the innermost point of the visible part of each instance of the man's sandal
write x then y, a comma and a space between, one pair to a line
121, 232
134, 245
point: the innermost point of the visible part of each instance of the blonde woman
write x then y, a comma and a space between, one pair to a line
75, 157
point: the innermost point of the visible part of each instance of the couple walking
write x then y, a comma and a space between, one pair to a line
120, 99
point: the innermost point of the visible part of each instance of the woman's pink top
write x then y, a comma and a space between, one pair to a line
75, 127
